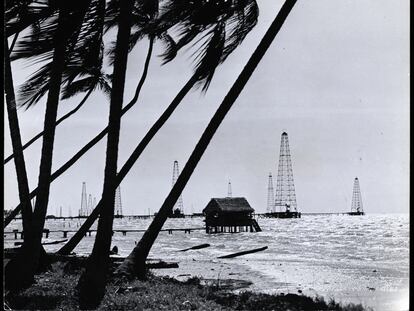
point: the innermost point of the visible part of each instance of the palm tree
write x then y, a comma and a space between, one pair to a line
19, 161
139, 20
98, 80
93, 281
20, 271
134, 264
25, 13
208, 60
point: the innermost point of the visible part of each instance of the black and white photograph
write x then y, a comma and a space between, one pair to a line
206, 155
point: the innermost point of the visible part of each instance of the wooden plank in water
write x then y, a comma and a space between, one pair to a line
44, 243
195, 247
244, 252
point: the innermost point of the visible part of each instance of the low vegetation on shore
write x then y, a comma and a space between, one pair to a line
55, 289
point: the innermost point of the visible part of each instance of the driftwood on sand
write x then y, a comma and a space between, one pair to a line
244, 252
195, 247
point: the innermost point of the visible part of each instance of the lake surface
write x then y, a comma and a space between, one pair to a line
360, 259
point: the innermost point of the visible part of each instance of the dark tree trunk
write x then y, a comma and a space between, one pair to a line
93, 281
26, 264
71, 244
91, 143
22, 182
60, 120
134, 264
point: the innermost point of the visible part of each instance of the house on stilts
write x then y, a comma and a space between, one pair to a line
229, 215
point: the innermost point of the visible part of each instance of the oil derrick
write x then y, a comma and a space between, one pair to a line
118, 202
84, 206
356, 205
70, 211
60, 211
176, 173
270, 195
229, 192
285, 199
89, 209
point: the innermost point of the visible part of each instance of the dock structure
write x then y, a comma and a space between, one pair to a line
286, 214
229, 215
124, 232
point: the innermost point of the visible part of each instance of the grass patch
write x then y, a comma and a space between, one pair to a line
56, 290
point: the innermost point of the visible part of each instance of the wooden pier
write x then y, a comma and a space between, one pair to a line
124, 232
282, 215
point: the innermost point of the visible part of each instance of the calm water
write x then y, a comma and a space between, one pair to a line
352, 259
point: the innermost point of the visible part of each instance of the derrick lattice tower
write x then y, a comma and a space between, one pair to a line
176, 173
84, 206
118, 202
229, 191
356, 205
285, 198
60, 211
89, 210
270, 195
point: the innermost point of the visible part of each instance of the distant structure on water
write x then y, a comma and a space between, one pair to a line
356, 205
87, 206
270, 195
229, 191
178, 210
118, 203
285, 205
84, 204
229, 215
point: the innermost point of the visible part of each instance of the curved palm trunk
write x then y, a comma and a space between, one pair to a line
71, 244
13, 43
91, 143
22, 182
92, 282
94, 141
20, 272
60, 120
134, 264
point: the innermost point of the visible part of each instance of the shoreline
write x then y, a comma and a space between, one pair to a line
55, 289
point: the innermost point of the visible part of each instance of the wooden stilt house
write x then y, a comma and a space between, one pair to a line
229, 215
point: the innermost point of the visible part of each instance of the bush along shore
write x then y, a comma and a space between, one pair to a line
55, 289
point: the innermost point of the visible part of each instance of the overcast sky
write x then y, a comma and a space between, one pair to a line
336, 79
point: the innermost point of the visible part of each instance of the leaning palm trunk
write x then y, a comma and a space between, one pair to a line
134, 264
92, 142
60, 120
74, 241
22, 182
92, 282
20, 272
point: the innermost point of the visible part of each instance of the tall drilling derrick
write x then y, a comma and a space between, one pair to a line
89, 209
356, 205
270, 195
84, 206
118, 202
285, 188
229, 191
176, 173
60, 211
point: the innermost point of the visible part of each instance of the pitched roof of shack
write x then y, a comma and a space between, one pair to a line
228, 205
